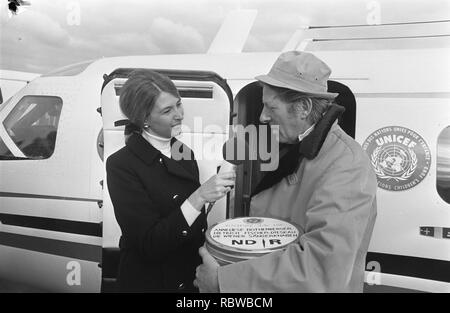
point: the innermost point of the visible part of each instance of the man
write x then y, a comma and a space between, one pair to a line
324, 184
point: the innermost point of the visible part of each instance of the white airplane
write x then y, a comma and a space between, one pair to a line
58, 231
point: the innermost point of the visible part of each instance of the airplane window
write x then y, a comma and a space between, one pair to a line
443, 165
5, 153
32, 126
100, 145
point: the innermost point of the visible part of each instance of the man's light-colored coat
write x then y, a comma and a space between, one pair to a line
334, 205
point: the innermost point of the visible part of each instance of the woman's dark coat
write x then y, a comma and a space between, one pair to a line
159, 251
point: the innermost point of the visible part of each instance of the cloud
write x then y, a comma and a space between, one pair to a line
31, 41
41, 37
173, 37
35, 25
255, 44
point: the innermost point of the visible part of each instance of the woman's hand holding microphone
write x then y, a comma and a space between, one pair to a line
214, 188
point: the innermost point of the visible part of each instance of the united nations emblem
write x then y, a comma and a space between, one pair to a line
399, 156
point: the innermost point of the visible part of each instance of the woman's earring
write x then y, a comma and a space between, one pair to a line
146, 126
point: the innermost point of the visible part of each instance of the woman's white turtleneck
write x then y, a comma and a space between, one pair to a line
163, 145
160, 143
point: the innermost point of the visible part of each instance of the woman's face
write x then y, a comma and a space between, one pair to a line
166, 116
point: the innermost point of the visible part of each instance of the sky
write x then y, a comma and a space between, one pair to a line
50, 34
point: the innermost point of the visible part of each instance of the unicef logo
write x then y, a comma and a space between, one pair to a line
399, 156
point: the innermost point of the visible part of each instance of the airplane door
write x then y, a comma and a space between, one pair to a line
207, 101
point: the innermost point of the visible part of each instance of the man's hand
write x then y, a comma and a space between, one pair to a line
206, 275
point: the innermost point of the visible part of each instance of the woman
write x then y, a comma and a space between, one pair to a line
158, 201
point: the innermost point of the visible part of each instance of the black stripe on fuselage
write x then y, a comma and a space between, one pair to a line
402, 265
52, 224
62, 248
35, 196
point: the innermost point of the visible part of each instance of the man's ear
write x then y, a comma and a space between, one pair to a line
305, 107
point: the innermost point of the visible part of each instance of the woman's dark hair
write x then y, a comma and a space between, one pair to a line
139, 94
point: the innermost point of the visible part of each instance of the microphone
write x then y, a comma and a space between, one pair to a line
234, 151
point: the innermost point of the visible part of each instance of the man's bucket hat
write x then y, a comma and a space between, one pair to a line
300, 71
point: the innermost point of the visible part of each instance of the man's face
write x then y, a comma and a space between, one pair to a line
276, 112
